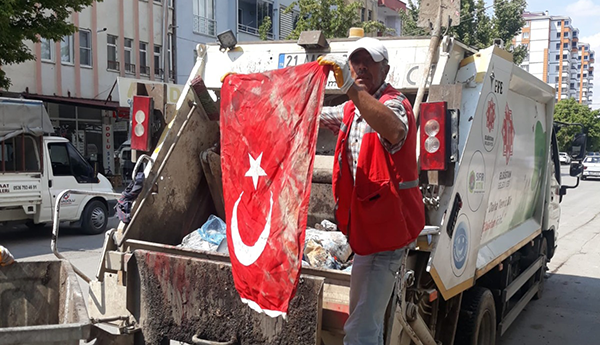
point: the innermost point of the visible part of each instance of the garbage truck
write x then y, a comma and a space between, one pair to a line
491, 190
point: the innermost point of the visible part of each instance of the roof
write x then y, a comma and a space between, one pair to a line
85, 102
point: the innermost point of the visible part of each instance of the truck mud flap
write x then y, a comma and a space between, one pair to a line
179, 298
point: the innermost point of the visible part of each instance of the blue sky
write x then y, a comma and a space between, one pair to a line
586, 17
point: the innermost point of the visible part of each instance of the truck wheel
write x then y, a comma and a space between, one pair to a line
477, 321
94, 218
35, 227
542, 279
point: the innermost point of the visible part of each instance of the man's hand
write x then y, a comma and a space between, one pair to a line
341, 71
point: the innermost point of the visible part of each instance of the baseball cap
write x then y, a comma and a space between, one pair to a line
372, 45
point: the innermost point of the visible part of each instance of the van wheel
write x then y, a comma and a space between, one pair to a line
542, 279
477, 321
35, 227
94, 218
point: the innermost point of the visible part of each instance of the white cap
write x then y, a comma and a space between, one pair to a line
372, 45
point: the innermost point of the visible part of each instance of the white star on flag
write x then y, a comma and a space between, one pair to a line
255, 170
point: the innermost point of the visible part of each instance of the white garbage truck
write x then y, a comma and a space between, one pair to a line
491, 187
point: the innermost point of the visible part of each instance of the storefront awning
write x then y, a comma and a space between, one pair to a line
83, 102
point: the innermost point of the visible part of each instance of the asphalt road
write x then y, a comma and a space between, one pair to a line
569, 312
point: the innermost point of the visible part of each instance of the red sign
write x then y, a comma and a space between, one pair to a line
508, 134
140, 123
269, 128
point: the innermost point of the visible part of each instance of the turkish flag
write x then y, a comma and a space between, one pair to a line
269, 125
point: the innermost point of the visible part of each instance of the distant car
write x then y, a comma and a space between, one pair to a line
591, 167
564, 158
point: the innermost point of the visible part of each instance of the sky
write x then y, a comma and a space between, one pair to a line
585, 15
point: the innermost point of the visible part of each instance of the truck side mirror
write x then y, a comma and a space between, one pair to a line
578, 147
576, 169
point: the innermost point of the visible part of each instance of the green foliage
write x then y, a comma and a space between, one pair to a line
265, 28
332, 17
31, 20
477, 28
570, 111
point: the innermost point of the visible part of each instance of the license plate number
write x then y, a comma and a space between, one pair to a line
295, 59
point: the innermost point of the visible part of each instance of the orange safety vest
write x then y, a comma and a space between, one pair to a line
383, 210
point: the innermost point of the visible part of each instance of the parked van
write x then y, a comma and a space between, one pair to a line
36, 167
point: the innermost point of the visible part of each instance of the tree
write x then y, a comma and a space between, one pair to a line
570, 111
265, 28
476, 27
333, 18
31, 20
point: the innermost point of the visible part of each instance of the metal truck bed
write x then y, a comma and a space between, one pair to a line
41, 303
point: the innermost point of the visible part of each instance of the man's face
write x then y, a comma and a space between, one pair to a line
366, 72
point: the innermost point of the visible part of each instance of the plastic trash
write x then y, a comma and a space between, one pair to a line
6, 257
208, 237
334, 242
317, 256
326, 225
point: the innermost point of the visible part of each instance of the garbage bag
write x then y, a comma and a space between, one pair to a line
6, 258
335, 242
317, 256
208, 237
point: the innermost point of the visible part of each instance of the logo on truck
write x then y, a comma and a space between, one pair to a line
508, 134
490, 115
460, 248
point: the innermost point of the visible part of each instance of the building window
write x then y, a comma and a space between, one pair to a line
252, 14
370, 15
557, 57
556, 79
363, 14
566, 34
204, 17
47, 49
66, 49
129, 56
170, 55
557, 45
144, 68
111, 51
557, 68
558, 35
85, 48
566, 22
157, 62
526, 35
565, 45
564, 56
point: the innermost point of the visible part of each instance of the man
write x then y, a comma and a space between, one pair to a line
375, 182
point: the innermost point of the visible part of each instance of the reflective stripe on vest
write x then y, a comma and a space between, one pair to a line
408, 184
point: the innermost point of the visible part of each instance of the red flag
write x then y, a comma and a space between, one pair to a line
269, 125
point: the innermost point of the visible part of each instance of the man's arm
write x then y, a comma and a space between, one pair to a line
380, 117
332, 118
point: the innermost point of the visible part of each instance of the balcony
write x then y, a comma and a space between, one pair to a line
253, 31
129, 68
112, 65
158, 72
145, 70
204, 26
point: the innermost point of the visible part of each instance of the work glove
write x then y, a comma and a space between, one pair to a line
341, 71
226, 75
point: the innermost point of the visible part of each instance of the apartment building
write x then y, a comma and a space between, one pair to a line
77, 77
556, 56
199, 21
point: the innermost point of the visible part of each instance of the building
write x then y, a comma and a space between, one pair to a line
556, 56
199, 21
77, 77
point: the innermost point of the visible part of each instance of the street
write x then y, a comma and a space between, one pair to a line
569, 312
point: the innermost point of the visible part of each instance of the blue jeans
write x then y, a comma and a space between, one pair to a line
371, 286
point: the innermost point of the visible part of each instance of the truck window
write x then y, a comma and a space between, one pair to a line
20, 154
66, 161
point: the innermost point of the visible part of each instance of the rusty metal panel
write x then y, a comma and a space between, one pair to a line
176, 297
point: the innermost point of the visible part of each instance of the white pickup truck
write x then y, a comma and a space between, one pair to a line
35, 168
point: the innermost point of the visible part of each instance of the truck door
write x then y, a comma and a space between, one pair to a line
69, 171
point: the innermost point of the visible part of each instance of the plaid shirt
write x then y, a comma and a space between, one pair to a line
332, 118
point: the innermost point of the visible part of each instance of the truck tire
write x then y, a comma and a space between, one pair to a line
35, 227
94, 218
477, 321
542, 279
